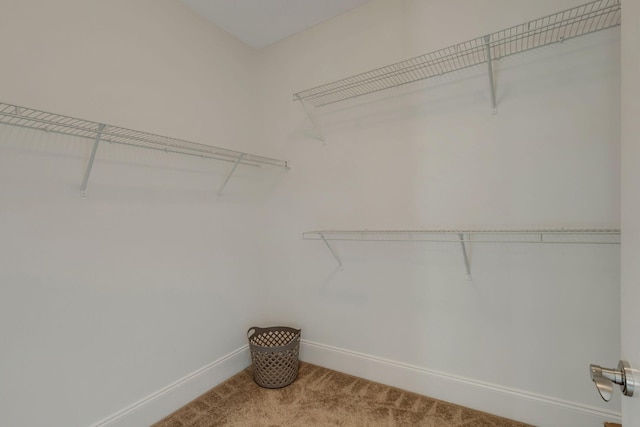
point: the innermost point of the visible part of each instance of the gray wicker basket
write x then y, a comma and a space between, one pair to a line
274, 353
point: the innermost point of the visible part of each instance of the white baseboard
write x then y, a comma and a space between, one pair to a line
538, 410
542, 411
162, 402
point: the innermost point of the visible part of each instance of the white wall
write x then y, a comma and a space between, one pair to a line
107, 299
630, 272
533, 317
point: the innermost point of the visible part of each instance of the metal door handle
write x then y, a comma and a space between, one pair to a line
605, 378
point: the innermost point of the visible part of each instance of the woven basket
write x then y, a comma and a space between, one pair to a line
274, 353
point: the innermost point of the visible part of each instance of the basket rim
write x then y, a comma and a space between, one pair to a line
261, 331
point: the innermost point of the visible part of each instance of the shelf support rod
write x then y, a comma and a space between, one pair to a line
94, 150
233, 169
332, 251
316, 128
466, 256
492, 88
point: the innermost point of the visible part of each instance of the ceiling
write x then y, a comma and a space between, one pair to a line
259, 23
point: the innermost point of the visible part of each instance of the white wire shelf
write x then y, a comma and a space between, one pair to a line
98, 132
57, 123
465, 236
558, 27
568, 236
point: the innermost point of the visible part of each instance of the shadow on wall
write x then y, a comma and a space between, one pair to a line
134, 174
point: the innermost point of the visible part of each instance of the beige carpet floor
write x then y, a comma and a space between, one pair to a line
322, 397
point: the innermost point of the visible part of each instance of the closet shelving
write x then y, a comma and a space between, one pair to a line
558, 27
555, 28
466, 236
99, 132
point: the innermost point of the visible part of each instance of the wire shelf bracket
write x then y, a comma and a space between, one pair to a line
233, 169
492, 89
555, 28
335, 255
465, 237
465, 255
30, 118
94, 150
316, 128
